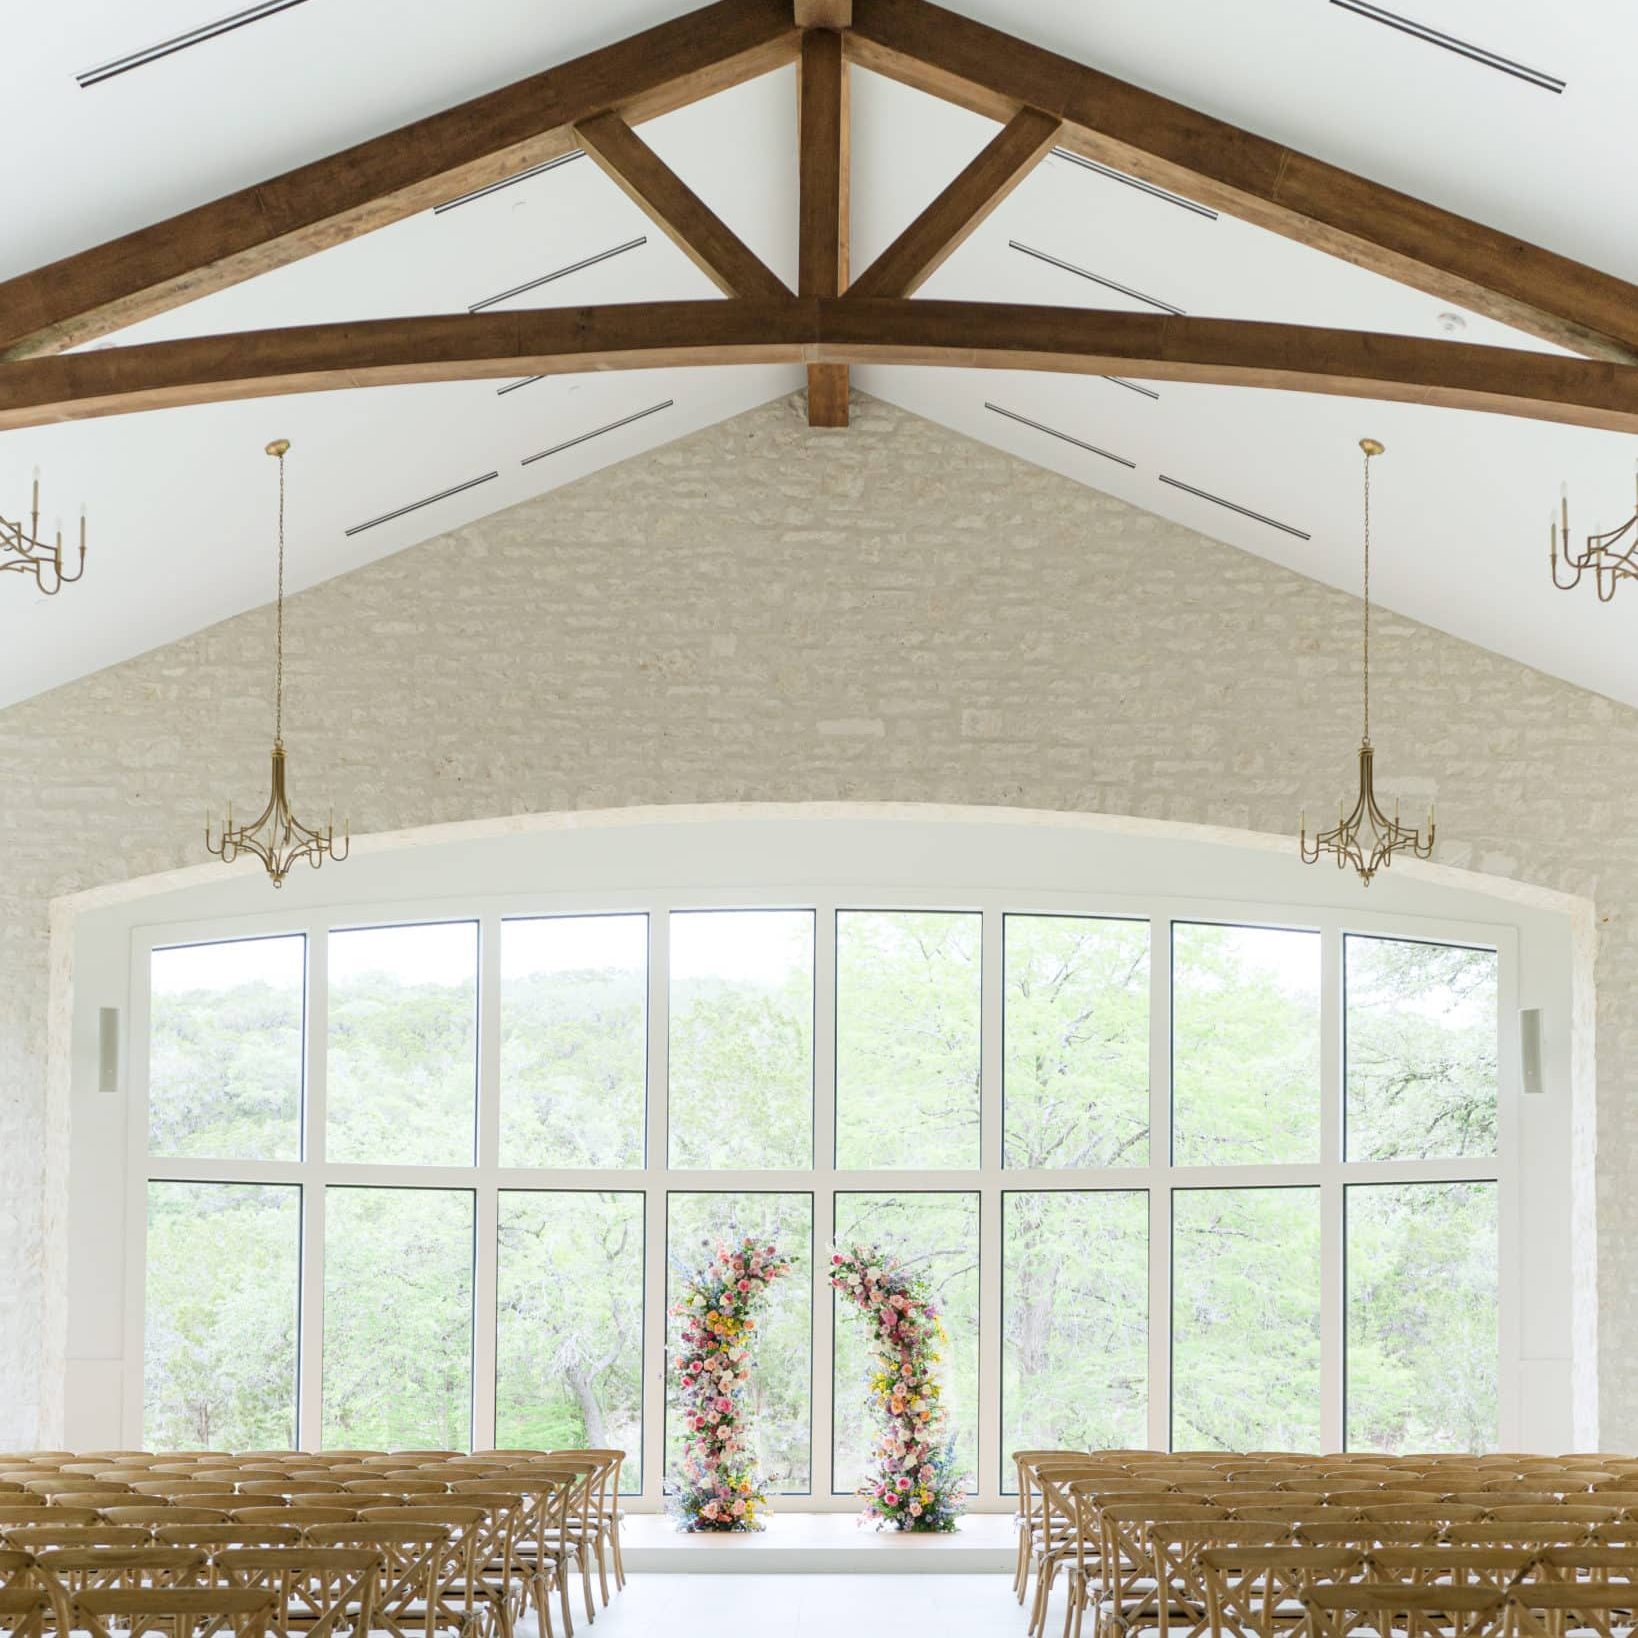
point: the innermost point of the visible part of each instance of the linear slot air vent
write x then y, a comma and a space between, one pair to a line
415, 506
1132, 386
512, 386
559, 273
1449, 42
1244, 511
1096, 278
596, 432
181, 42
1135, 182
1065, 437
507, 181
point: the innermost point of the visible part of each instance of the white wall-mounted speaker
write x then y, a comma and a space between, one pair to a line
1530, 1049
108, 1049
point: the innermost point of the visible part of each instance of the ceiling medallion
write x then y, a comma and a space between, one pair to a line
22, 551
1605, 558
1366, 838
276, 836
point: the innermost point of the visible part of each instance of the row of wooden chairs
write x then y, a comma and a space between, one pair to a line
514, 1519
1115, 1521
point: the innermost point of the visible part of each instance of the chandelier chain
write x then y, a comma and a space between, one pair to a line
278, 639
1367, 645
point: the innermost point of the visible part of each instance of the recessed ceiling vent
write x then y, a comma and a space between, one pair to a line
1096, 278
508, 181
415, 506
560, 273
181, 42
1232, 506
596, 432
1449, 42
1064, 437
1135, 182
1132, 386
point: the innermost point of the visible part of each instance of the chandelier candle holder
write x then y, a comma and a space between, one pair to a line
24, 551
1609, 558
1365, 837
276, 836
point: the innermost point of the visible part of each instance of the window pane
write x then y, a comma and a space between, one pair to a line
219, 1354
1423, 1346
1245, 1045
574, 1040
1075, 1322
398, 1318
225, 1049
1076, 1042
931, 1234
403, 1061
1245, 1319
1421, 1032
781, 1382
569, 1324
907, 1000
742, 1038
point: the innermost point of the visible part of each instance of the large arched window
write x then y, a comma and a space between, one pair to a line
1181, 1172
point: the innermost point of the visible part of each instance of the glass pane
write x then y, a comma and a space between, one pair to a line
403, 1059
1423, 1346
398, 1318
1245, 1045
1421, 1034
1076, 1042
931, 1234
225, 1049
907, 1000
569, 1324
1245, 1319
780, 1384
574, 1040
742, 1038
1074, 1322
219, 1353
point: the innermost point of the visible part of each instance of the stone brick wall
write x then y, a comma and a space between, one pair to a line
760, 612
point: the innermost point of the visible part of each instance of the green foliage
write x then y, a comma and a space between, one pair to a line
1075, 1321
1421, 1050
569, 1323
1076, 1033
220, 1342
398, 1318
907, 1066
1245, 1045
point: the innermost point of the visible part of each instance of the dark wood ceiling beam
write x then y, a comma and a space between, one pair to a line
1250, 177
822, 207
943, 227
708, 242
389, 177
824, 13
835, 331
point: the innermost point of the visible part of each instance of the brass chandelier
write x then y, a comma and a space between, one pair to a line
1609, 558
23, 551
1366, 838
276, 836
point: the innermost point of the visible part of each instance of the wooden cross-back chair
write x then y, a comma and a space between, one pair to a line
1339, 1609
317, 1591
416, 1566
1256, 1592
181, 1612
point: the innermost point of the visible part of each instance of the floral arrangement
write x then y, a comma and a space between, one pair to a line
719, 1488
915, 1484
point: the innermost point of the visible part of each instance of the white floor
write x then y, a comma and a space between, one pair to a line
821, 1543
808, 1606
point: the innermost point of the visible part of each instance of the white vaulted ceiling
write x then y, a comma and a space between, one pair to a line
180, 500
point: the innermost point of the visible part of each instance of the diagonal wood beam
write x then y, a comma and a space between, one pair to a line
822, 209
1250, 177
939, 231
389, 177
696, 230
964, 335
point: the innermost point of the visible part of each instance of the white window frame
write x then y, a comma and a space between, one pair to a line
1158, 1177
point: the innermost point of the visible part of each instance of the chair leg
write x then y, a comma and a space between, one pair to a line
602, 1567
619, 1560
583, 1553
563, 1593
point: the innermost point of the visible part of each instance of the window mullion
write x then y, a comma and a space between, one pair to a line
821, 1416
487, 1204
656, 1150
991, 1144
1160, 1197
1333, 1199
316, 1017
